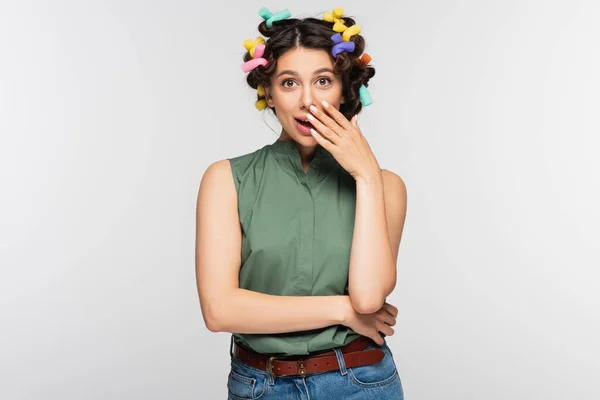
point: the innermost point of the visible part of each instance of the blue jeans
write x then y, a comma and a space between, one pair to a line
379, 381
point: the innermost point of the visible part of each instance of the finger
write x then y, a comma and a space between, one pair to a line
385, 329
327, 145
337, 116
354, 123
322, 129
393, 311
327, 121
392, 308
390, 320
377, 339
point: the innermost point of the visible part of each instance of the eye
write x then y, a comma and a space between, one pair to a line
321, 79
324, 78
283, 83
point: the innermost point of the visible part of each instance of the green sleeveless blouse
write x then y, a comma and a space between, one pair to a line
297, 232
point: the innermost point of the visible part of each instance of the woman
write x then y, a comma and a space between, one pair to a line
297, 241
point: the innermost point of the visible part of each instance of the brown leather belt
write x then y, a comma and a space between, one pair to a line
353, 354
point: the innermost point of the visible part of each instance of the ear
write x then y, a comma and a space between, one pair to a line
268, 97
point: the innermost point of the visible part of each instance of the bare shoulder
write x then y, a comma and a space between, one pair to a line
218, 171
393, 183
217, 196
218, 179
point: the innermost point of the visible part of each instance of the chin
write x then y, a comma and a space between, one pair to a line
307, 141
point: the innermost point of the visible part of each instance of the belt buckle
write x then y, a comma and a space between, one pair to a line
300, 362
270, 364
301, 367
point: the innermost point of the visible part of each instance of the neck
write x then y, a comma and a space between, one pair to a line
307, 153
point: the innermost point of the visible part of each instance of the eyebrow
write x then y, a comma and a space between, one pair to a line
294, 73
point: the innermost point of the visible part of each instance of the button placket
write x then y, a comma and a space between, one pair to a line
305, 261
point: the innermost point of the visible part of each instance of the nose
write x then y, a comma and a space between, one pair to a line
307, 97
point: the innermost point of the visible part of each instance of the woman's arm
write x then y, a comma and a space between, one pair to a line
245, 311
378, 224
225, 306
296, 313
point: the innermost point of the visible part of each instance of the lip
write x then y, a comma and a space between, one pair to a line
303, 129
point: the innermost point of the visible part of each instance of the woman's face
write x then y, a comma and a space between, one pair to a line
303, 77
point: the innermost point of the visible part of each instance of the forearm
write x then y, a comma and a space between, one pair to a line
246, 311
372, 270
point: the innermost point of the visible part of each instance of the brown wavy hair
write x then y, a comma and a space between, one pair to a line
313, 33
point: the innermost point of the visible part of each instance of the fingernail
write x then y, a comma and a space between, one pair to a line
325, 104
313, 108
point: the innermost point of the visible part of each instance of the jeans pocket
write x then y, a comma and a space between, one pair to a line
381, 373
245, 383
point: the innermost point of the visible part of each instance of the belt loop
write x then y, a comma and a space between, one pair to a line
340, 360
231, 347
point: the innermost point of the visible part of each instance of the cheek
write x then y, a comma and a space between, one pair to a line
285, 100
333, 95
333, 98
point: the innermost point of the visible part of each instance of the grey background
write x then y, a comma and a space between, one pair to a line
110, 112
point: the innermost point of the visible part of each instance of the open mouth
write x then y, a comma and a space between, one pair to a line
304, 122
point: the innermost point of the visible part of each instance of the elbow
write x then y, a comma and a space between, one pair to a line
212, 324
367, 305
370, 301
213, 317
217, 310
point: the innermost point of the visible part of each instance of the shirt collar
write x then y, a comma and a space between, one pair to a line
288, 156
289, 146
